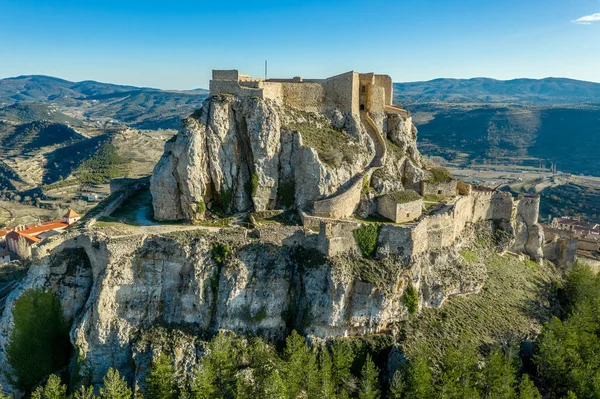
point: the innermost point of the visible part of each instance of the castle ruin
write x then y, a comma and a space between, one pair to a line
348, 92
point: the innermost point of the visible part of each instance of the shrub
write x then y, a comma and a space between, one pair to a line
39, 343
469, 256
366, 185
200, 207
219, 252
411, 299
225, 197
366, 238
253, 184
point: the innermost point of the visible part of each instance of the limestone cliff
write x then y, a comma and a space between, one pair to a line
241, 154
115, 291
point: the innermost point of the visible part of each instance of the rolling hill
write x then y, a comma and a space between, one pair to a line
548, 91
139, 107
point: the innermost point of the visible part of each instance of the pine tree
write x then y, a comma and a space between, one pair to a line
203, 384
84, 393
397, 385
527, 389
326, 375
419, 381
301, 371
343, 380
39, 342
275, 387
115, 386
369, 384
161, 382
54, 389
221, 362
499, 376
458, 377
262, 375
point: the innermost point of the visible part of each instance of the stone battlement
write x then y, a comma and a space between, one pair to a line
350, 92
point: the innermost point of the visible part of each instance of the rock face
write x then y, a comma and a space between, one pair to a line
242, 154
117, 291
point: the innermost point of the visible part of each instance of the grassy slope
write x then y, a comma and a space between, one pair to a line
514, 302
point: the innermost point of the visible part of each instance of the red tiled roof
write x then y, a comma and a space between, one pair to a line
4, 232
14, 235
44, 227
71, 214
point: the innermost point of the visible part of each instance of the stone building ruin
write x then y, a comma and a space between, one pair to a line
348, 92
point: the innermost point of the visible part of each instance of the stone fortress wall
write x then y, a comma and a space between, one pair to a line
348, 92
444, 227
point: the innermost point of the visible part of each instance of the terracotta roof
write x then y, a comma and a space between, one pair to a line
71, 214
44, 227
14, 235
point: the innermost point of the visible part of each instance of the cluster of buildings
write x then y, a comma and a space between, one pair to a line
15, 243
587, 232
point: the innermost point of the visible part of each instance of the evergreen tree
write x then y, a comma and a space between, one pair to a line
115, 386
369, 383
275, 387
264, 369
326, 375
301, 371
84, 393
499, 376
161, 382
397, 385
54, 389
458, 377
343, 380
419, 381
203, 384
527, 389
221, 361
39, 342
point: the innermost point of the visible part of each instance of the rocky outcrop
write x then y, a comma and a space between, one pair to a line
116, 291
241, 154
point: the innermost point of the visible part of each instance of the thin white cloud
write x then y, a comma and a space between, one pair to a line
587, 19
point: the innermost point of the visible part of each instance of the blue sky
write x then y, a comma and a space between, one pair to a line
175, 44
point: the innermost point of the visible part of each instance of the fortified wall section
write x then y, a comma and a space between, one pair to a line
442, 229
340, 92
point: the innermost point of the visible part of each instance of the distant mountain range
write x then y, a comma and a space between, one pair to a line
519, 91
519, 121
140, 107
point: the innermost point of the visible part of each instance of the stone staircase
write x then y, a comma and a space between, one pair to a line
343, 203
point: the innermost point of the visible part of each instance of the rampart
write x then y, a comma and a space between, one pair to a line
348, 92
442, 229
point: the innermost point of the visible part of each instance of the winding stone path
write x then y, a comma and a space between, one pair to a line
342, 204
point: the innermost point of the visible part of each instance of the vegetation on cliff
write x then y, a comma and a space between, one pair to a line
39, 342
